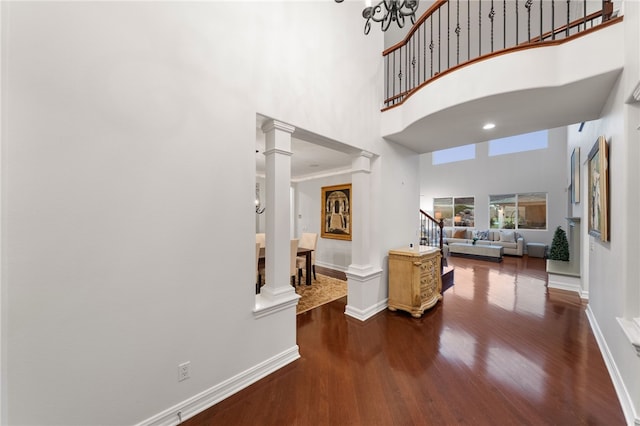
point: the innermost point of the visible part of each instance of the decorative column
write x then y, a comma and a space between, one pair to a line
278, 153
363, 278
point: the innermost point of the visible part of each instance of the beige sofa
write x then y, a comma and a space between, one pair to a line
511, 242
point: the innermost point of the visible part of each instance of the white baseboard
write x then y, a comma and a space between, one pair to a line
364, 315
565, 282
626, 402
332, 266
212, 396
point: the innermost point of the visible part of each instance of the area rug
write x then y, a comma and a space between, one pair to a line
322, 290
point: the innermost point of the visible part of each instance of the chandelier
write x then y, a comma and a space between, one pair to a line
259, 207
388, 11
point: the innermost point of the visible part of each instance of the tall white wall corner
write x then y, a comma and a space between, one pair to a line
364, 283
626, 401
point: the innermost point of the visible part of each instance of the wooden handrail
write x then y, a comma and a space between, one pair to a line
565, 27
405, 75
435, 6
524, 46
426, 236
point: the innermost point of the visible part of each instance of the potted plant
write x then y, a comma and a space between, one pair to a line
559, 246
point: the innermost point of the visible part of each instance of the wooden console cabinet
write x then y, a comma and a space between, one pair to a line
415, 283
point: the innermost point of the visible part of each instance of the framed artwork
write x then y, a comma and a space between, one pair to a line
336, 212
575, 176
598, 167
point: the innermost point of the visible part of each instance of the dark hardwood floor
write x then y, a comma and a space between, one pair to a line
499, 350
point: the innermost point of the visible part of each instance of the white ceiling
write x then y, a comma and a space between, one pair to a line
313, 155
541, 109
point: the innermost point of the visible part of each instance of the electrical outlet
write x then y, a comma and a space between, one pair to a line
184, 371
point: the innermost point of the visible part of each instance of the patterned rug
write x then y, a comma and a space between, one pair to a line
323, 290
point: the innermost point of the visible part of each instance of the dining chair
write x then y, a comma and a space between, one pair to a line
308, 240
292, 262
258, 272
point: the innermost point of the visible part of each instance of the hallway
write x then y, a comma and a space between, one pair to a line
499, 350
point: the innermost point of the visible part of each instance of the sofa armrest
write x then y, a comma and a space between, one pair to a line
520, 243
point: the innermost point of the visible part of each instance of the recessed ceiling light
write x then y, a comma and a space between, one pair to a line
488, 126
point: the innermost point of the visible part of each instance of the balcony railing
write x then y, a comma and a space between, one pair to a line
455, 33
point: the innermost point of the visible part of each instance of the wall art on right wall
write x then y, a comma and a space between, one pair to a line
598, 189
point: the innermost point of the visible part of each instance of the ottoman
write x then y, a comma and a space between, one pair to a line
537, 250
478, 251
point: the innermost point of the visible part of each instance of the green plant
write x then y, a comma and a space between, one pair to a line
559, 246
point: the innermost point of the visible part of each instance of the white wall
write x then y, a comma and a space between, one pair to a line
531, 171
612, 267
128, 187
331, 253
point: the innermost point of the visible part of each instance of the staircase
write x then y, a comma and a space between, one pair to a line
431, 235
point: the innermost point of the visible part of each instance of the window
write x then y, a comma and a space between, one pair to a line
458, 211
518, 211
519, 143
450, 155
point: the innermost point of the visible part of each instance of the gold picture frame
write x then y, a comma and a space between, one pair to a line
336, 212
598, 190
575, 176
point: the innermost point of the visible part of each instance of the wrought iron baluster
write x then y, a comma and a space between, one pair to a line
584, 19
413, 63
448, 35
504, 24
468, 30
431, 48
417, 36
517, 24
492, 14
553, 19
439, 39
424, 48
479, 28
541, 21
406, 69
394, 75
568, 18
457, 31
528, 6
386, 82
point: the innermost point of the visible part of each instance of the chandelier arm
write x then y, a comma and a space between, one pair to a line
394, 10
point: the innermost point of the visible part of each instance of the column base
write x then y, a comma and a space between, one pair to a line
364, 287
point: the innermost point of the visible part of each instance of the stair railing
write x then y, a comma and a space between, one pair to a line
431, 233
455, 33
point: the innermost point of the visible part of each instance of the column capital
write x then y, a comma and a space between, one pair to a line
270, 125
361, 162
277, 151
365, 154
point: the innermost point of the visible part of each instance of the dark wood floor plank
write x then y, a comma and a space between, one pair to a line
501, 349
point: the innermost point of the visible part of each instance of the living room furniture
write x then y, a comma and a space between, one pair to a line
308, 240
415, 283
258, 272
511, 241
293, 253
477, 251
537, 250
300, 252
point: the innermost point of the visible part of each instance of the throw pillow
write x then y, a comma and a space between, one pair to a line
483, 235
461, 233
507, 237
